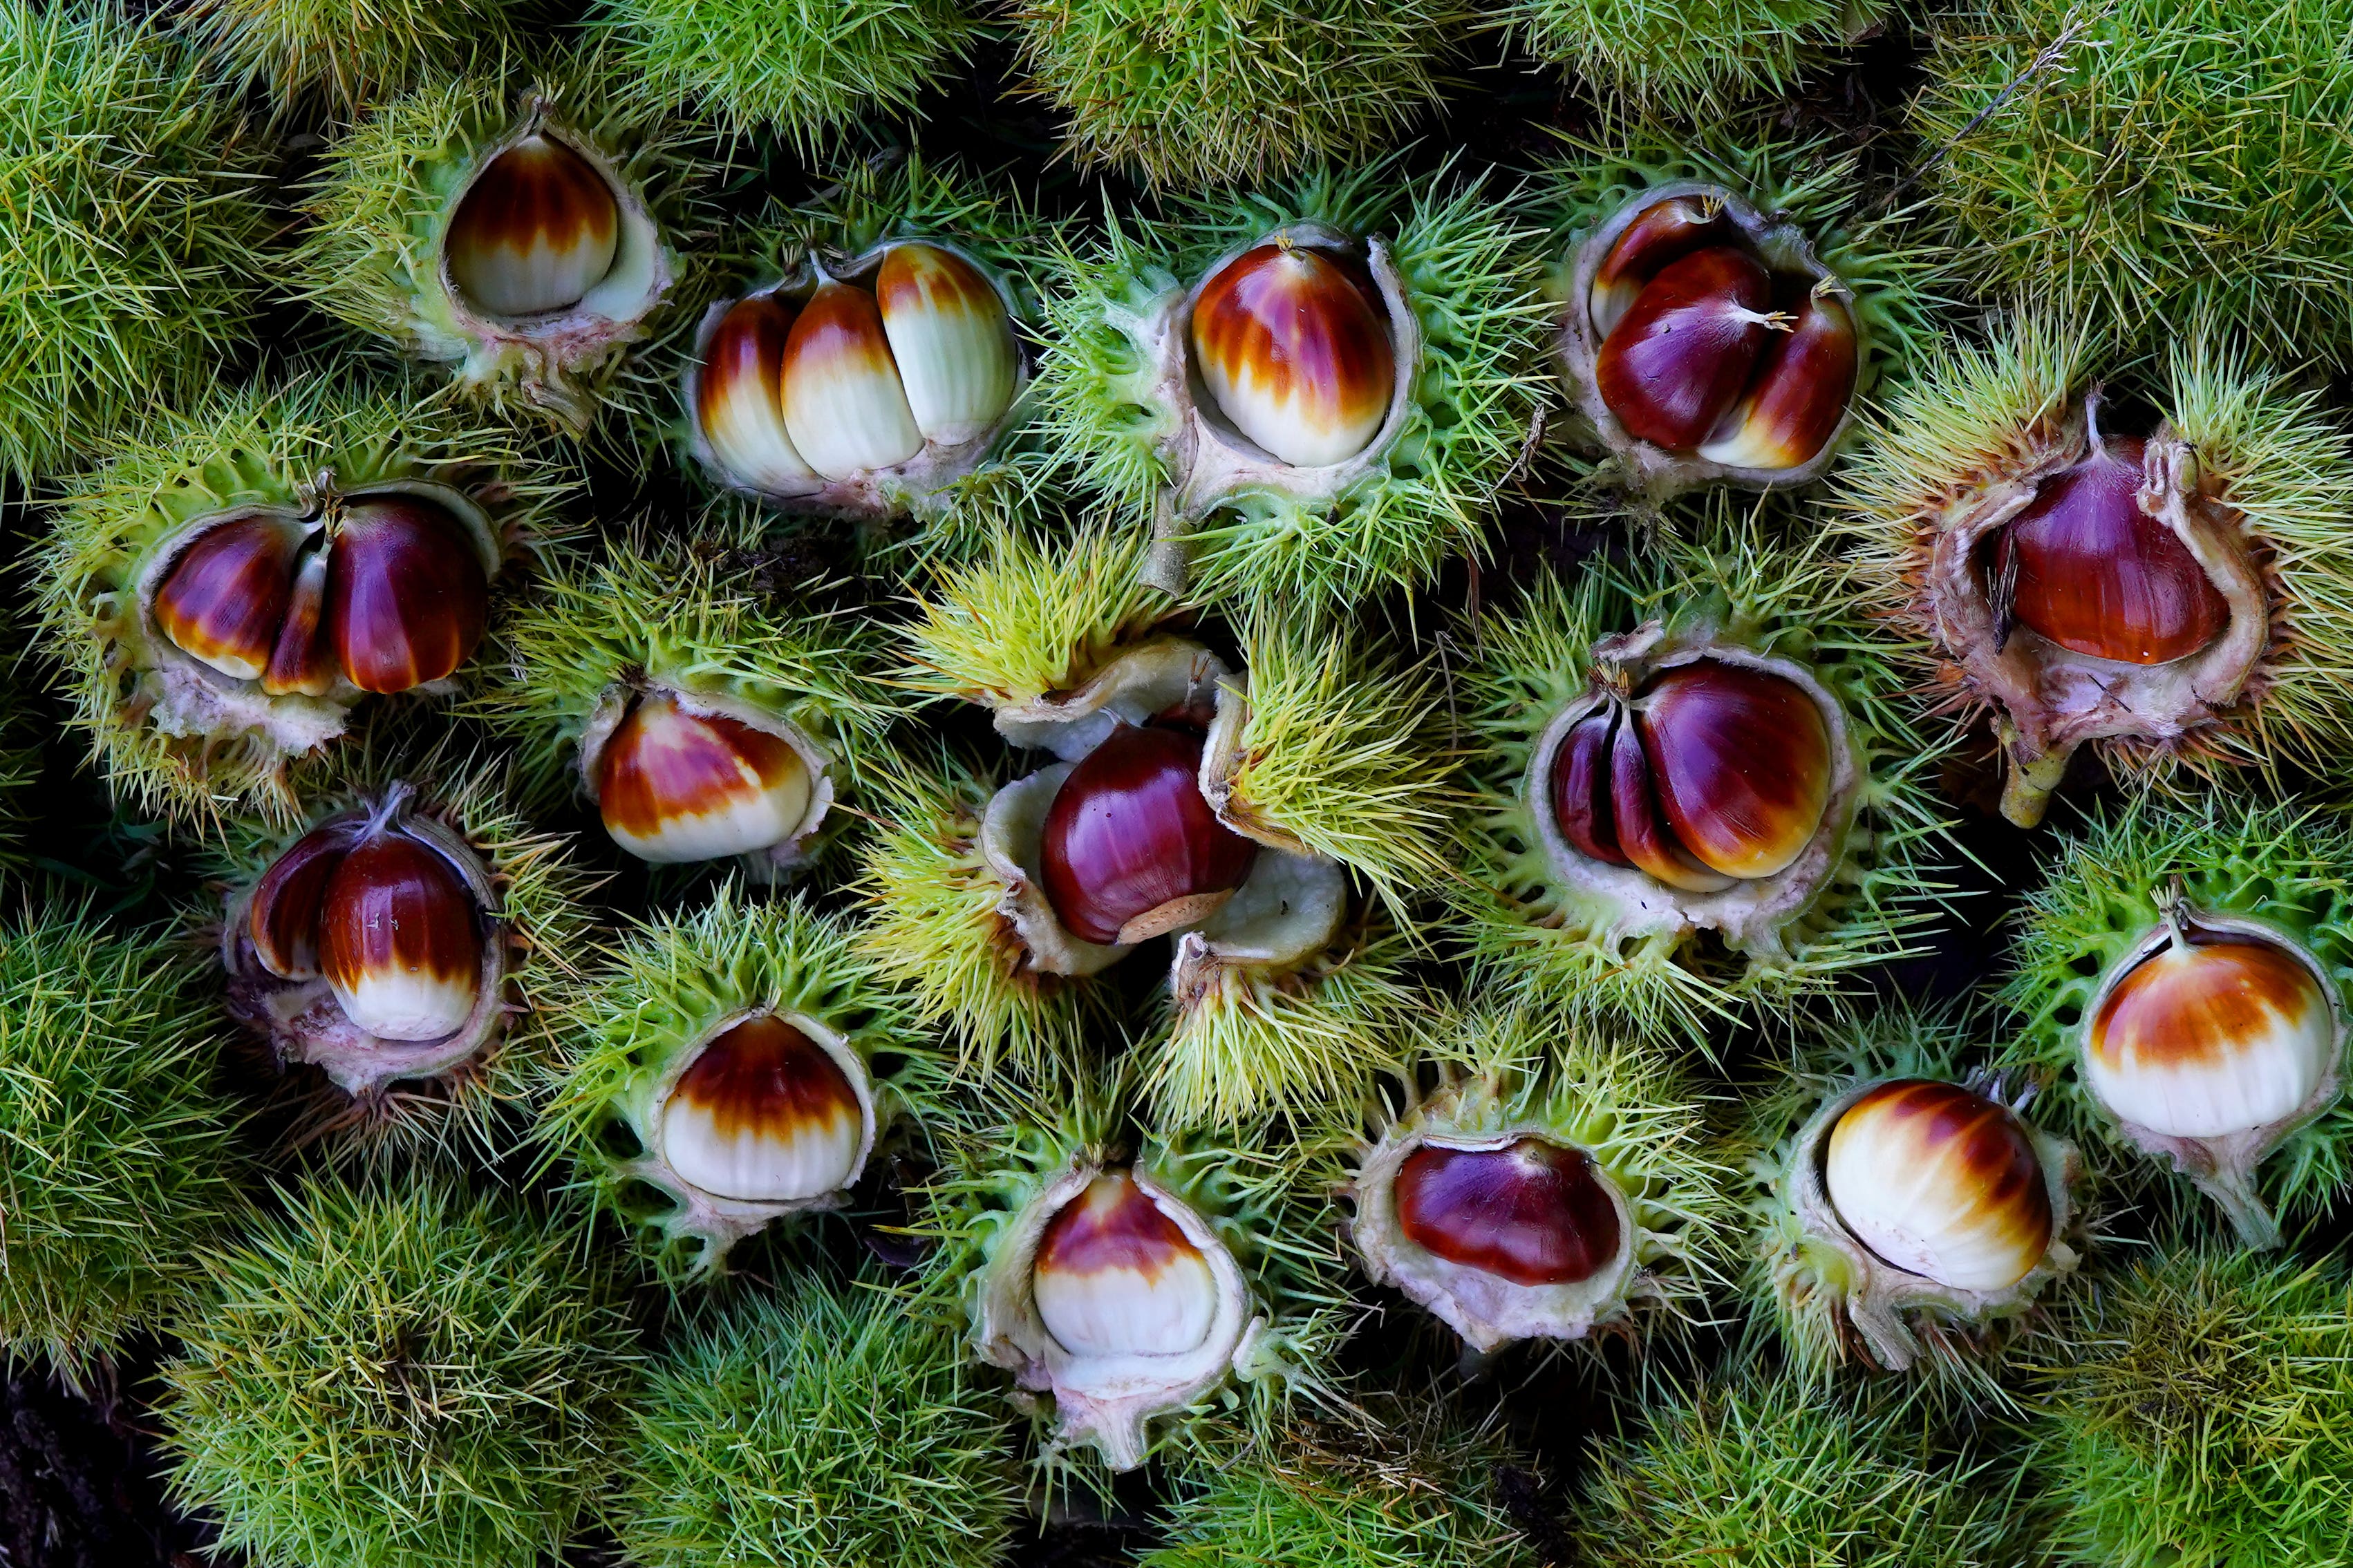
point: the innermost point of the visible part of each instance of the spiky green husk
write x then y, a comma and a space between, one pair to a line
1480, 1069
256, 446
1537, 944
1801, 1288
134, 228
20, 761
806, 70
118, 1156
1258, 1198
2206, 1418
830, 1424
1472, 285
481, 1109
1757, 1471
399, 1378
1423, 1489
1688, 58
688, 615
347, 52
933, 926
379, 203
2153, 159
2281, 866
1206, 92
674, 981
2278, 454
894, 196
1810, 181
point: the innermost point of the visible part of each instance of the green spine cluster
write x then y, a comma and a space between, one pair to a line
133, 226
831, 1424
399, 1376
298, 50
1688, 58
119, 1159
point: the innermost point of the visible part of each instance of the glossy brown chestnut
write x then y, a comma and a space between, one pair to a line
1666, 232
1580, 786
538, 229
1532, 1213
1130, 848
398, 942
1642, 827
223, 599
304, 659
1293, 351
739, 395
2092, 572
406, 595
762, 1114
1799, 392
676, 786
1741, 762
1682, 355
291, 899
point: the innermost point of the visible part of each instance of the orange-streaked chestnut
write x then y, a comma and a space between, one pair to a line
2097, 575
762, 1114
1740, 759
1643, 836
843, 400
1580, 786
2211, 1035
407, 597
398, 941
1683, 351
675, 786
1799, 392
223, 599
289, 900
739, 396
1665, 231
302, 661
1941, 1182
951, 339
1130, 848
1293, 351
538, 229
1532, 1213
1115, 1276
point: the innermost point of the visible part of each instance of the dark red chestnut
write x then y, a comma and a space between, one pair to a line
398, 942
1682, 355
1799, 392
288, 902
222, 601
1642, 827
1741, 761
2086, 568
1580, 786
1131, 849
1666, 231
407, 597
302, 660
1532, 1213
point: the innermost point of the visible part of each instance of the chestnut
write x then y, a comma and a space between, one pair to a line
406, 595
1941, 1182
223, 600
1293, 350
844, 402
676, 786
1534, 1212
951, 339
762, 1114
1799, 392
1130, 848
536, 231
1115, 1276
1679, 359
740, 396
1665, 231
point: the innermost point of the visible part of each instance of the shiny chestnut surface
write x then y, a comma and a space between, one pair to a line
408, 599
844, 402
739, 395
949, 338
1799, 392
674, 785
1665, 231
1114, 1275
289, 901
1681, 356
536, 231
762, 1114
1293, 351
2097, 575
1942, 1182
1532, 1213
1741, 759
224, 598
1129, 837
398, 941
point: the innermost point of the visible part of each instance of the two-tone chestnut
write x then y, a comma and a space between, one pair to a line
374, 946
857, 384
678, 777
1704, 342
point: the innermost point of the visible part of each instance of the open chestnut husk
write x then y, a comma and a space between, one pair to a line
375, 946
1535, 1189
1704, 342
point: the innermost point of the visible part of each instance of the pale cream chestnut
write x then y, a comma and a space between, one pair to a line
764, 1114
1116, 1277
844, 402
1293, 351
951, 340
674, 785
535, 232
1941, 1182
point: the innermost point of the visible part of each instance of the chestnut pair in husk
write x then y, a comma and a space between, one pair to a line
1704, 342
851, 387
